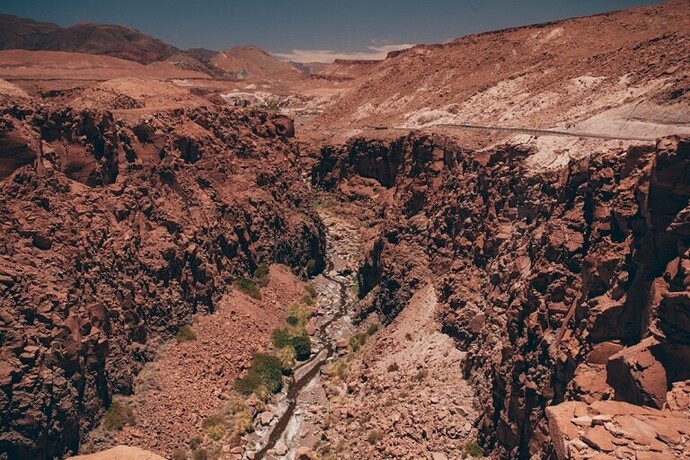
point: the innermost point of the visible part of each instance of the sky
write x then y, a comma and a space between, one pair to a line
310, 30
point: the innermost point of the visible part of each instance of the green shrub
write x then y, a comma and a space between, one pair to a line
311, 266
292, 320
338, 369
357, 341
302, 346
185, 334
307, 300
265, 370
281, 337
261, 274
249, 287
117, 416
287, 359
311, 290
393, 367
214, 426
374, 436
474, 449
243, 423
372, 329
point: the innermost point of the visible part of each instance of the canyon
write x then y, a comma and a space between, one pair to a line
484, 244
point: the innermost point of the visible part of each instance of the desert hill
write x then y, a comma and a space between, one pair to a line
557, 74
252, 62
110, 40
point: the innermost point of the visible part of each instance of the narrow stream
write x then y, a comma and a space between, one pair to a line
308, 371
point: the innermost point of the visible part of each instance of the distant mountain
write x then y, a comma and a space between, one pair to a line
110, 40
252, 62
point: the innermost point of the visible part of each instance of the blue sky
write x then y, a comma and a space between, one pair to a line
320, 29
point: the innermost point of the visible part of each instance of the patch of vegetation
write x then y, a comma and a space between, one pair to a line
311, 267
282, 337
117, 416
357, 341
311, 290
271, 105
372, 329
374, 436
243, 423
179, 454
287, 359
302, 346
307, 300
292, 320
265, 370
355, 286
215, 426
185, 334
262, 275
474, 449
393, 367
248, 287
338, 369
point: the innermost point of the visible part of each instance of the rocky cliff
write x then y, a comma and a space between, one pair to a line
569, 285
114, 234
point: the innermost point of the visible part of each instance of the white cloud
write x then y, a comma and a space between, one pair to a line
375, 51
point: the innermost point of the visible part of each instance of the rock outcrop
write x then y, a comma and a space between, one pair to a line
116, 235
570, 285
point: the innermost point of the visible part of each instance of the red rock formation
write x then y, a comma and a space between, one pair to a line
119, 235
560, 286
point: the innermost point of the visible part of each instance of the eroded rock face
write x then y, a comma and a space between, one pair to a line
549, 280
97, 269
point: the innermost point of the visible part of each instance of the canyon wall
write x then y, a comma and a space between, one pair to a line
565, 285
114, 234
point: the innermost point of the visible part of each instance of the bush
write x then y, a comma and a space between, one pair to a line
393, 367
474, 449
374, 436
302, 346
372, 329
179, 454
261, 274
281, 337
243, 423
307, 300
287, 359
292, 320
117, 416
249, 287
265, 370
357, 341
311, 266
311, 290
185, 334
214, 426
339, 369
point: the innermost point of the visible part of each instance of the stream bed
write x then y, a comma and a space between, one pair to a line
295, 425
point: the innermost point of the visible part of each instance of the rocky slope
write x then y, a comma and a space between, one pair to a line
561, 286
115, 236
625, 68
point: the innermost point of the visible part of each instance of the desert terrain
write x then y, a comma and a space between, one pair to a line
477, 249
